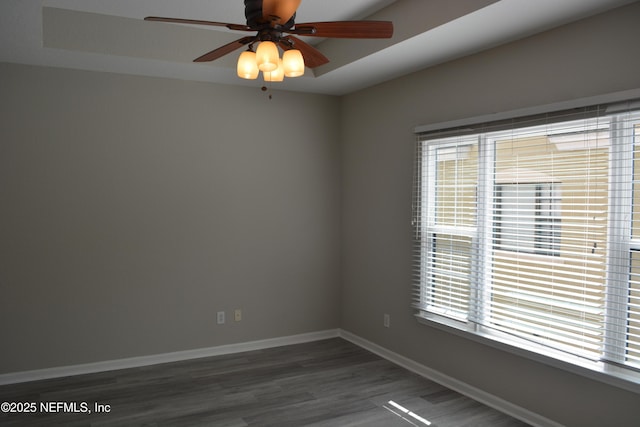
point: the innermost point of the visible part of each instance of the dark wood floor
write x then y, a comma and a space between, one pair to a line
323, 383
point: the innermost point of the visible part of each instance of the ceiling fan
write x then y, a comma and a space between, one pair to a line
273, 21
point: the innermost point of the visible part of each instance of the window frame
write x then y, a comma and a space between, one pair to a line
430, 227
601, 370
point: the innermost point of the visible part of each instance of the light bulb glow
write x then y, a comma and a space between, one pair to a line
293, 63
276, 75
247, 66
267, 56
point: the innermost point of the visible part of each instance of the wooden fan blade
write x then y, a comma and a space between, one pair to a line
346, 29
236, 27
281, 9
223, 50
312, 57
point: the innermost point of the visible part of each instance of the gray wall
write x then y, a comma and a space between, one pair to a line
132, 209
591, 57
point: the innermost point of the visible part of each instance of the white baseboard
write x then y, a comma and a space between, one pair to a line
134, 362
452, 383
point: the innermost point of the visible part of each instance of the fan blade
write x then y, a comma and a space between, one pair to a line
282, 9
223, 50
236, 27
346, 29
312, 57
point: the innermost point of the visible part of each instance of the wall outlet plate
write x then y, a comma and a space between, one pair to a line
221, 317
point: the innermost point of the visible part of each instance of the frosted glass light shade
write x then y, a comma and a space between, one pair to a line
276, 75
247, 66
293, 63
267, 56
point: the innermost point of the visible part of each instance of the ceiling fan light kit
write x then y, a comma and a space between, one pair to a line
274, 24
250, 64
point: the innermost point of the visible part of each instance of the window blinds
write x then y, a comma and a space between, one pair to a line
531, 228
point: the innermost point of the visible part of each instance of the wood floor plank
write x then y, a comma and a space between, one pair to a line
321, 384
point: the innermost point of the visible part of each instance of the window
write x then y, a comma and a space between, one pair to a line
531, 233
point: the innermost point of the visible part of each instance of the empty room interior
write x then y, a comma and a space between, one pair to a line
454, 200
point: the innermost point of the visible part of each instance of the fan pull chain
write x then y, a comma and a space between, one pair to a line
265, 89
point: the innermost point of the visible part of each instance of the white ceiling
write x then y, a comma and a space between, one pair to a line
111, 36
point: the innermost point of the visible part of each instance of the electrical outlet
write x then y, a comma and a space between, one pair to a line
386, 320
221, 318
237, 315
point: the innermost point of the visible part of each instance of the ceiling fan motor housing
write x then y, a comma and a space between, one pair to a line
255, 19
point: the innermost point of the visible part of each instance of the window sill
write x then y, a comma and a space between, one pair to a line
619, 377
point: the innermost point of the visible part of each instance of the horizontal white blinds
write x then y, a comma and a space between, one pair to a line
448, 227
548, 240
532, 228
